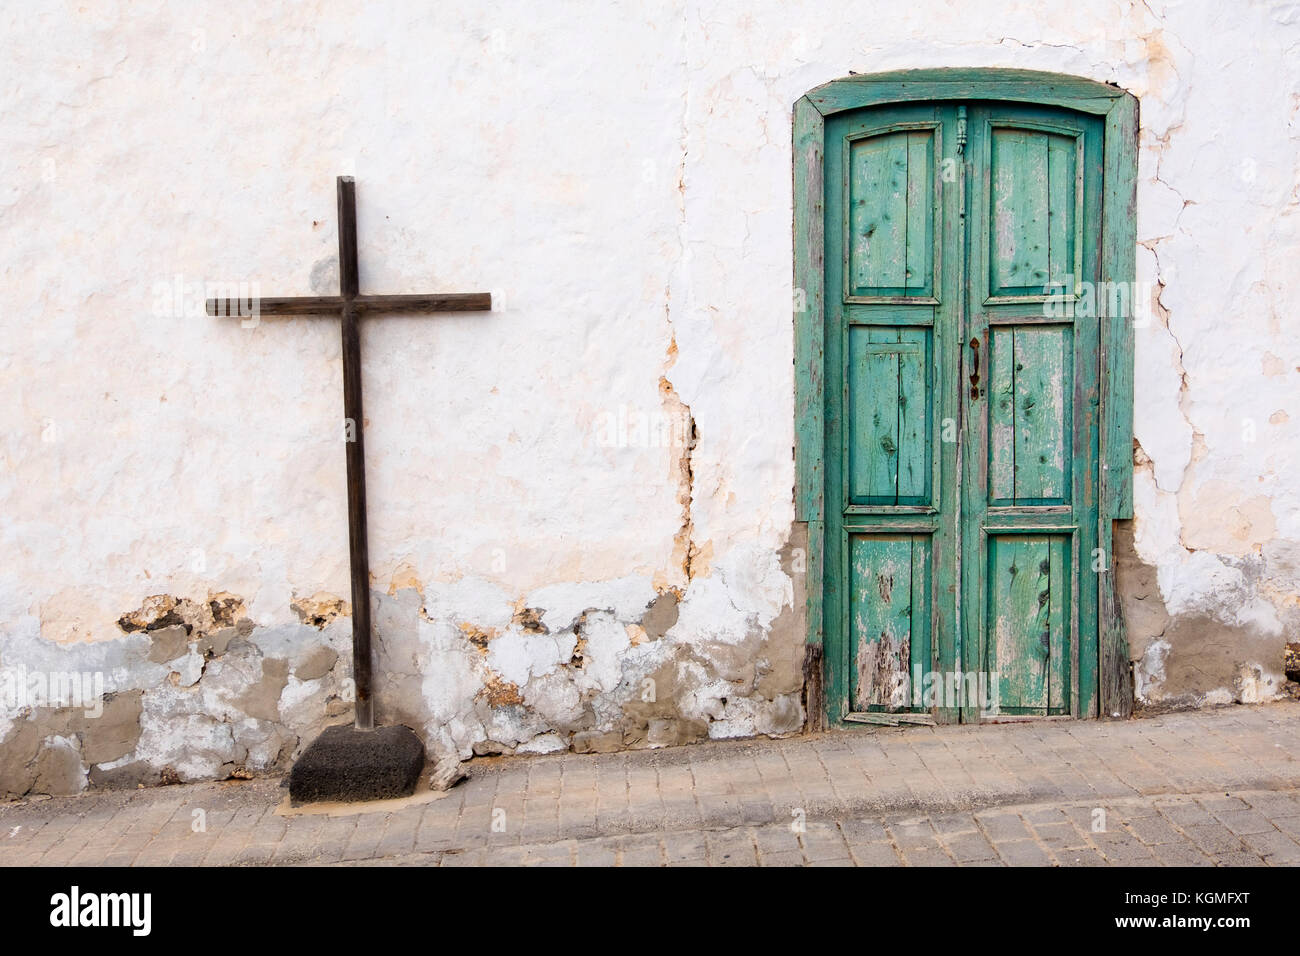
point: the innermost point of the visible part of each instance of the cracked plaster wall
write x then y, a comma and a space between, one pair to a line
589, 488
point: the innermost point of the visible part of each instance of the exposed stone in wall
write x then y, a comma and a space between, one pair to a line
191, 690
319, 609
194, 690
554, 672
1193, 659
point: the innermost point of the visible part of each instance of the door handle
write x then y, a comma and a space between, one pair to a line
975, 368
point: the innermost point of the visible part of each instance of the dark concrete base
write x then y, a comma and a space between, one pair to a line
347, 764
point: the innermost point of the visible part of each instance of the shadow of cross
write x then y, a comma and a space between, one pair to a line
349, 305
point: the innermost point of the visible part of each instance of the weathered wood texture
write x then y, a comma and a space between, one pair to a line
889, 620
890, 541
1030, 461
809, 358
910, 86
814, 696
891, 214
358, 539
1029, 623
333, 304
890, 388
1119, 237
886, 334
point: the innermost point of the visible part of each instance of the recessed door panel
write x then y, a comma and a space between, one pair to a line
1035, 192
1028, 634
890, 226
1031, 415
889, 620
890, 427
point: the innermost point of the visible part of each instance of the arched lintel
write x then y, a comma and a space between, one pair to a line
1027, 86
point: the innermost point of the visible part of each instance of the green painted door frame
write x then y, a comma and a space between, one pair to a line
918, 513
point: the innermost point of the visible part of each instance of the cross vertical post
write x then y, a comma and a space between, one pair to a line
354, 433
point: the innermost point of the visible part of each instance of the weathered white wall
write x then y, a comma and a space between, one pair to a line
619, 175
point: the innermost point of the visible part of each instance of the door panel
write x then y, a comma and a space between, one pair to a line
889, 618
1028, 622
1034, 186
889, 434
1030, 409
891, 199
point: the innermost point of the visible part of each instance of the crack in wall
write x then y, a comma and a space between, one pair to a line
685, 550
1164, 316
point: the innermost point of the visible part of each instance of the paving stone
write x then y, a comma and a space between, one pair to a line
1154, 829
1043, 815
685, 847
774, 839
946, 823
875, 854
1242, 857
1080, 856
969, 847
1213, 840
1023, 853
1125, 852
1059, 835
641, 853
1242, 822
1003, 827
1187, 814
784, 858
504, 856
731, 848
1180, 854
1274, 804
598, 852
826, 849
471, 857
918, 855
1288, 825
1224, 804
551, 854
1274, 847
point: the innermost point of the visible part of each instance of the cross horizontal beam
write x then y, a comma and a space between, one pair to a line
333, 304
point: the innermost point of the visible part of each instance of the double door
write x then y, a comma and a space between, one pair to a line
962, 391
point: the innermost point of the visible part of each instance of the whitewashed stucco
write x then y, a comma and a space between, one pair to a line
619, 176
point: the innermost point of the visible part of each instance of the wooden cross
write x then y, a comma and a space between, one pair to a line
349, 304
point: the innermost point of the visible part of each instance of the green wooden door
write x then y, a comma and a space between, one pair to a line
961, 395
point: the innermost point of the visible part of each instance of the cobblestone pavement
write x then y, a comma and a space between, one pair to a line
1217, 787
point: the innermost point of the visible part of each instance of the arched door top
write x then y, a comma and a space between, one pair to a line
1021, 86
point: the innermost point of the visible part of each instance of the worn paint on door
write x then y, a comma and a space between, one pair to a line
961, 411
